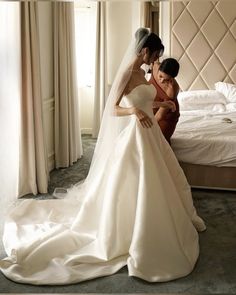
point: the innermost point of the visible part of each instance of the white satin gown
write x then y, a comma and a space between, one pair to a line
138, 213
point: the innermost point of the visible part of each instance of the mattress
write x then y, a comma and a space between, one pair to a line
206, 138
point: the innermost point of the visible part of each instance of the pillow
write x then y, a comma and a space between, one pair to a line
231, 106
229, 90
210, 107
195, 97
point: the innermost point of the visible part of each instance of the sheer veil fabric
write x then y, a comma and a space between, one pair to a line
134, 208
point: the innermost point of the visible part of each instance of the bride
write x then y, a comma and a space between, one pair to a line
134, 208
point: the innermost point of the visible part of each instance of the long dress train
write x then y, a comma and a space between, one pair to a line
139, 212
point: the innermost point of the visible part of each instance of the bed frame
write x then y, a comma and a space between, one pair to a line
204, 75
211, 177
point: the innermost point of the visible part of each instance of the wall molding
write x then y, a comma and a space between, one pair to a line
51, 161
165, 26
203, 40
86, 130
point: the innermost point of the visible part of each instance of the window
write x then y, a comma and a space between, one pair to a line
85, 30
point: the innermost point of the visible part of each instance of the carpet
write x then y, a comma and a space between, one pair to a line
215, 271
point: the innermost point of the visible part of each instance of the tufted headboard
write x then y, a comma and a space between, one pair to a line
202, 36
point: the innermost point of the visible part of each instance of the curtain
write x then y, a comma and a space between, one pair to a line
147, 14
151, 15
33, 166
68, 144
10, 94
100, 90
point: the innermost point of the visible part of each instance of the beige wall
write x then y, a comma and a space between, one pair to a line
123, 19
119, 32
203, 39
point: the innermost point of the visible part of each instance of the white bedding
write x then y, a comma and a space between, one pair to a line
203, 137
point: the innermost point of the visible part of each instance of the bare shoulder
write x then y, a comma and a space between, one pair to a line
172, 89
175, 87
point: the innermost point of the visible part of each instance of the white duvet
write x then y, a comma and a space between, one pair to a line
207, 138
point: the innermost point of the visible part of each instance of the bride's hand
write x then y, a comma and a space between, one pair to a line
143, 118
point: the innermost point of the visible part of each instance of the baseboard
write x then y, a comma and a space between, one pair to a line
86, 130
51, 161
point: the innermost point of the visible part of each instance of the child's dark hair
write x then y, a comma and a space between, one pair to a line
170, 66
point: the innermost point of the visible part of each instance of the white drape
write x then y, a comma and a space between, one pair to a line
33, 166
68, 146
101, 91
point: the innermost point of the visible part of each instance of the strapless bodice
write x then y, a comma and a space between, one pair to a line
142, 96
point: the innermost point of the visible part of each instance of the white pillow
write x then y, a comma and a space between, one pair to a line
195, 97
231, 106
229, 90
210, 107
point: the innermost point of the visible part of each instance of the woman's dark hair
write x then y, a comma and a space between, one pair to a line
152, 42
170, 66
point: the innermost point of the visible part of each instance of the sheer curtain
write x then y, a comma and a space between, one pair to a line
33, 166
100, 91
68, 145
10, 93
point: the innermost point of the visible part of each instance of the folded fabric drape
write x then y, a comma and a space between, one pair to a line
68, 146
101, 91
33, 166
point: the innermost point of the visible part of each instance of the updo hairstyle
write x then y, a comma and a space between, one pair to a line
150, 40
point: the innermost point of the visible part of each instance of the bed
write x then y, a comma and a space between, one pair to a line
205, 138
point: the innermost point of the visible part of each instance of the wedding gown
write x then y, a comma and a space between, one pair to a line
139, 213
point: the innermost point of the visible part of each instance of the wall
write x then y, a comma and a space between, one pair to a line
86, 97
123, 19
119, 32
203, 39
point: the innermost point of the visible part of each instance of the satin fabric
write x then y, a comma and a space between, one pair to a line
139, 212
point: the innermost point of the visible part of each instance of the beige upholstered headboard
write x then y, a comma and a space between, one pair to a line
203, 39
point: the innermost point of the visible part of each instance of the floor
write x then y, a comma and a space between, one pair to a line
215, 271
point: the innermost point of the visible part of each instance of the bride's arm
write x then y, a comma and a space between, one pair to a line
143, 118
118, 110
121, 111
